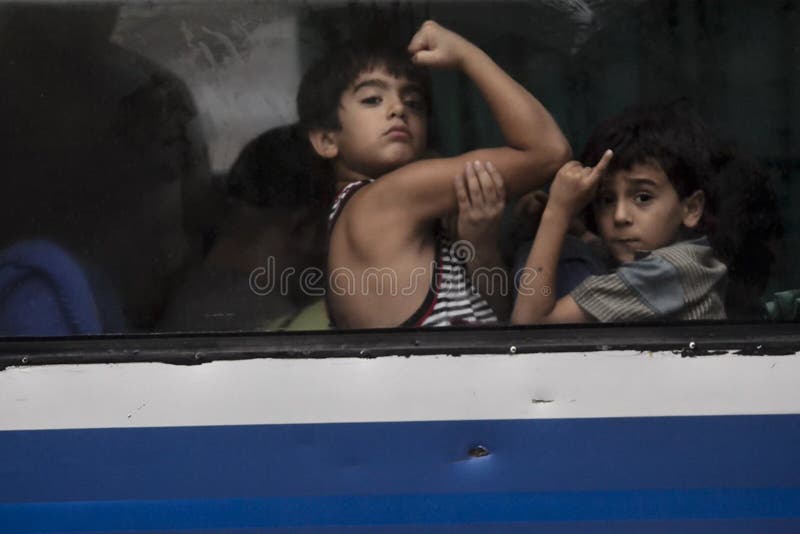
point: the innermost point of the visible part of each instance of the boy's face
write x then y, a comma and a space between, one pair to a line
638, 209
384, 124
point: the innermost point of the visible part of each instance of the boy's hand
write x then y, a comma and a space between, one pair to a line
436, 46
481, 200
575, 185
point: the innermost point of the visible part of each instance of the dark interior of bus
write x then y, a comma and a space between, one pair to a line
121, 124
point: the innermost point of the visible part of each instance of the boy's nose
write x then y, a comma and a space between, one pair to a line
397, 108
621, 214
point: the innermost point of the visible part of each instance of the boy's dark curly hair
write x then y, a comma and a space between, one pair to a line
377, 39
671, 136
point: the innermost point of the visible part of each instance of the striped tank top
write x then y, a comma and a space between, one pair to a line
451, 299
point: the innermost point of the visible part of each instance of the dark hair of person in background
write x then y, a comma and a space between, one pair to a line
741, 218
276, 170
748, 228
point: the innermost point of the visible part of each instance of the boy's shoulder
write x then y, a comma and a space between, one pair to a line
686, 256
680, 268
342, 197
680, 280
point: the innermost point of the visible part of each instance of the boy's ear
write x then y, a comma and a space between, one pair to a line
324, 143
693, 207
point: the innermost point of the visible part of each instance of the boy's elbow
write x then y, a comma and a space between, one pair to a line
546, 158
560, 152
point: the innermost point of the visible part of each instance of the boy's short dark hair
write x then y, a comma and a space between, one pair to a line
324, 83
670, 135
276, 169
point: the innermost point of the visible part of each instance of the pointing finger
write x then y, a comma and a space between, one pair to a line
601, 166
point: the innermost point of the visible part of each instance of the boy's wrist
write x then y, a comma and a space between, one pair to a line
555, 215
470, 55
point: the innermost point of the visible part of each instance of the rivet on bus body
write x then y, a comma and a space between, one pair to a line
512, 349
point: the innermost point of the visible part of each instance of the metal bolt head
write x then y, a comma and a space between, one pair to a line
692, 345
512, 349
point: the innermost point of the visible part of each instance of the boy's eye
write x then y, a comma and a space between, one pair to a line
372, 100
643, 198
414, 103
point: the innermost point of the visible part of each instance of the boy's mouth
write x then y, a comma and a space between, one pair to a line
628, 242
398, 132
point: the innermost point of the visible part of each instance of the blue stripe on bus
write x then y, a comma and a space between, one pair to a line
428, 509
729, 526
347, 473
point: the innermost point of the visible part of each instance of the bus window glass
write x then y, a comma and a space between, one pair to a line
156, 177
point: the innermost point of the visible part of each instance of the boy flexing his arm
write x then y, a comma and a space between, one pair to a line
385, 222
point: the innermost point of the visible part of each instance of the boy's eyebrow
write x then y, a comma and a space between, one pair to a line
641, 181
409, 87
371, 82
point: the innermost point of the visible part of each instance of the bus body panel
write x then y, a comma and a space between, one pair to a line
596, 442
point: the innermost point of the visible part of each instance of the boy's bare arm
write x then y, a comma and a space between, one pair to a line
412, 196
572, 189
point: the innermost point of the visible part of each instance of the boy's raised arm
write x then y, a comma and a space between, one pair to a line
535, 147
572, 189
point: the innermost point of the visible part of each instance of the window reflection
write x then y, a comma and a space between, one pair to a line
124, 126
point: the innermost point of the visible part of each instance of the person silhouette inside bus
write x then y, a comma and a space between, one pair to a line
365, 107
747, 229
274, 231
102, 153
649, 199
